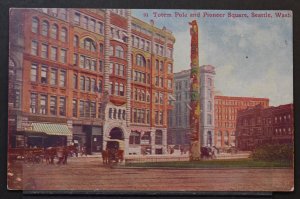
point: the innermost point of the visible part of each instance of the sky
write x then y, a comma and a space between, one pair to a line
253, 57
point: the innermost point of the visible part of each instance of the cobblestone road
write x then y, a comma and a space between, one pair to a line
90, 174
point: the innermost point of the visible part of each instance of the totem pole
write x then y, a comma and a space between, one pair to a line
195, 98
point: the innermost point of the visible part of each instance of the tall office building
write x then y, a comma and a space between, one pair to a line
88, 75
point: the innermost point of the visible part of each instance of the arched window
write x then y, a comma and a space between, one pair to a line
89, 44
45, 28
54, 30
63, 34
35, 25
140, 60
119, 52
76, 41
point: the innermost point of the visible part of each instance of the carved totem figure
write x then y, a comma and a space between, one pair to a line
194, 89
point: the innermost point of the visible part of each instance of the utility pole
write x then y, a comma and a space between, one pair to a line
195, 94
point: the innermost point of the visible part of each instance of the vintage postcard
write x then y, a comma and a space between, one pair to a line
150, 100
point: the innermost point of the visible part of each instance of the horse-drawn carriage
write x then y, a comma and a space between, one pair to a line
114, 152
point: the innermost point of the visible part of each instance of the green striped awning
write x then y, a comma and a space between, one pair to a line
51, 129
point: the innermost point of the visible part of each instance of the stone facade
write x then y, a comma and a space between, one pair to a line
179, 118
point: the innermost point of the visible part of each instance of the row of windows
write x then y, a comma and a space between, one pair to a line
87, 84
114, 113
141, 116
39, 104
44, 52
88, 44
116, 88
159, 117
159, 98
239, 103
56, 12
140, 95
141, 77
87, 109
117, 51
47, 31
141, 29
44, 75
117, 69
88, 23
140, 43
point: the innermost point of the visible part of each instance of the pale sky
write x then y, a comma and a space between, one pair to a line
253, 57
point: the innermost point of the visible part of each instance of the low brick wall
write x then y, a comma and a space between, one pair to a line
155, 158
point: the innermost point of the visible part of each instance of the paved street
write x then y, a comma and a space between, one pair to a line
89, 174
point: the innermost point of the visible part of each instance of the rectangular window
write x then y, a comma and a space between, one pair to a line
148, 117
44, 75
63, 55
81, 108
44, 52
53, 105
82, 83
100, 28
82, 61
77, 19
75, 81
161, 82
62, 106
43, 104
54, 53
85, 22
34, 48
53, 76
94, 65
170, 68
121, 89
101, 66
92, 25
156, 81
33, 72
100, 86
93, 110
161, 118
62, 79
63, 13
87, 109
156, 117
74, 109
75, 59
33, 103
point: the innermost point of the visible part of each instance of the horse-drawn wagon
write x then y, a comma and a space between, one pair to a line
114, 152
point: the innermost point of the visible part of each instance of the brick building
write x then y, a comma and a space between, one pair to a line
258, 126
88, 75
226, 109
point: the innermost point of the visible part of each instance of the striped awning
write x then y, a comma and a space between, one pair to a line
51, 129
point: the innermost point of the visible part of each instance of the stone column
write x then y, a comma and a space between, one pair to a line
106, 49
129, 68
164, 141
152, 141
